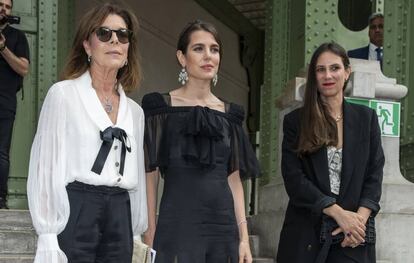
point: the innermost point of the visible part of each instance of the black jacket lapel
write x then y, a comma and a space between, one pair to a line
320, 167
351, 133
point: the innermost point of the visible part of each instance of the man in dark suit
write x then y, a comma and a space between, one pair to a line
376, 37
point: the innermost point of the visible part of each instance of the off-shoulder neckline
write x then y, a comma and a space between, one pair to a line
167, 99
155, 102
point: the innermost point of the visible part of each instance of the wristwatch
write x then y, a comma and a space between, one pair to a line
2, 47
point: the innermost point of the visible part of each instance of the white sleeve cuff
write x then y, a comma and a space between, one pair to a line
48, 250
47, 242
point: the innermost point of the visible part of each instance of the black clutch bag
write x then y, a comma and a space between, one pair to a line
329, 225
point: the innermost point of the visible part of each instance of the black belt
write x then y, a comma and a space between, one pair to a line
108, 136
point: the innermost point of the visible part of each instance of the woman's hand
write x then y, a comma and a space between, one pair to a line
350, 223
349, 241
149, 237
245, 256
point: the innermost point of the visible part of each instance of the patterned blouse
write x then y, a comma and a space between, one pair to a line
335, 167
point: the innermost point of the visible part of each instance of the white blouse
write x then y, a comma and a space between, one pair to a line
64, 149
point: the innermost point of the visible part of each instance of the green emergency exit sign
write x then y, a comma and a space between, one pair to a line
388, 112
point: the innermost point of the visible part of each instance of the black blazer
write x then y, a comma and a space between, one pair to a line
361, 53
308, 187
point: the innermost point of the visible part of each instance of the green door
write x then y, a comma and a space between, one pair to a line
48, 25
25, 123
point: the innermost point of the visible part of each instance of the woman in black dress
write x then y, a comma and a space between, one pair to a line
332, 163
197, 143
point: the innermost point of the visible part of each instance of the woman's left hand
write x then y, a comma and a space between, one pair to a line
245, 256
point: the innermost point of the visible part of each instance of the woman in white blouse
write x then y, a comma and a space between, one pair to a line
86, 185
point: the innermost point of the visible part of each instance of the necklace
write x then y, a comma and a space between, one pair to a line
339, 117
107, 103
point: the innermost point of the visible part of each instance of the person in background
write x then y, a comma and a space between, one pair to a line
197, 142
14, 65
332, 166
86, 184
374, 50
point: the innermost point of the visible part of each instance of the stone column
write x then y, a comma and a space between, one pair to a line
395, 228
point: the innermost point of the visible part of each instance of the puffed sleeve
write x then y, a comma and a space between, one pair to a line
243, 158
48, 200
301, 190
154, 105
138, 196
371, 191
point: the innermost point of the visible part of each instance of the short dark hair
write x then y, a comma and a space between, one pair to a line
374, 16
184, 38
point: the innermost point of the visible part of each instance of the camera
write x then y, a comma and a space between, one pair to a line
10, 19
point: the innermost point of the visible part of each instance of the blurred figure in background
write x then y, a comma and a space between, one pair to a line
374, 50
14, 65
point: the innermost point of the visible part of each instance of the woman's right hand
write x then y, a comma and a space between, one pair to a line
350, 223
149, 237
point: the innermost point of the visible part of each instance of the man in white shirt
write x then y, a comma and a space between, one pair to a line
374, 49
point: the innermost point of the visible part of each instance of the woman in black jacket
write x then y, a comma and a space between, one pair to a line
332, 166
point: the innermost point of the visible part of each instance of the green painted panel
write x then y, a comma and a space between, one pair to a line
39, 19
399, 59
47, 46
275, 78
26, 115
296, 38
66, 29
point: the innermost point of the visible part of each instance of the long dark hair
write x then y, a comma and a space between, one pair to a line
130, 75
318, 128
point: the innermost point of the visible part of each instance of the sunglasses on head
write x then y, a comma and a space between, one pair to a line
104, 34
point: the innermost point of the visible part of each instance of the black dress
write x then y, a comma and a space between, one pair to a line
196, 148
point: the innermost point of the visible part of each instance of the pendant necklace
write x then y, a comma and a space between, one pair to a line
107, 103
339, 117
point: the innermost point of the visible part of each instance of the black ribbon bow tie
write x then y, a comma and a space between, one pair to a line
108, 136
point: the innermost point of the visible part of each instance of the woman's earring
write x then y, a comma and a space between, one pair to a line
89, 59
183, 76
126, 63
215, 79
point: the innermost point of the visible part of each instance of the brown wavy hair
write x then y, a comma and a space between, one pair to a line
317, 127
130, 75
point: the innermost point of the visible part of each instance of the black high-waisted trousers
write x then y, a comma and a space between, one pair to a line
99, 229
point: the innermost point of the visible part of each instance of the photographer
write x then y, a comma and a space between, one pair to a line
14, 65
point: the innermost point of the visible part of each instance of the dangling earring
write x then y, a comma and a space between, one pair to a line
183, 76
215, 79
126, 63
89, 59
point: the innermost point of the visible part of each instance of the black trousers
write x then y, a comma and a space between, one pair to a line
361, 254
6, 130
337, 256
99, 229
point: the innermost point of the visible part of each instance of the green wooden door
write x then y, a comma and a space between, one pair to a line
48, 25
24, 126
